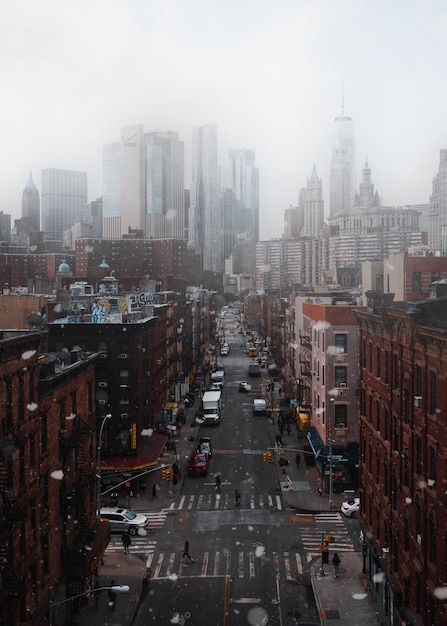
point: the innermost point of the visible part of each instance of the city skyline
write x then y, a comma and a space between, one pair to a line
169, 67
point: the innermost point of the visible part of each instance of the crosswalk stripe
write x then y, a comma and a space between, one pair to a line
218, 564
222, 501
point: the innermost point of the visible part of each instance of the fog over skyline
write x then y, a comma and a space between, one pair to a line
268, 74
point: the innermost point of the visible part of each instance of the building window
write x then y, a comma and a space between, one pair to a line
433, 544
435, 276
378, 362
433, 392
363, 354
341, 415
341, 378
419, 464
416, 281
418, 381
386, 422
387, 368
44, 433
406, 533
341, 343
74, 404
433, 463
395, 371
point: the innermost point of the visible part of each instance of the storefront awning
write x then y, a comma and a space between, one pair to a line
147, 455
315, 440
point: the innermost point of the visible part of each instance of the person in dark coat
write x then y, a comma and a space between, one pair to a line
336, 563
125, 538
298, 459
237, 497
186, 550
154, 491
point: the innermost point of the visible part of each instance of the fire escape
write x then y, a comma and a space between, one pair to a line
305, 382
76, 490
12, 515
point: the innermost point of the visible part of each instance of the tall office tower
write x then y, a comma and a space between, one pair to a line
230, 218
244, 180
313, 208
205, 215
366, 198
92, 214
291, 223
5, 227
143, 184
437, 217
31, 206
64, 194
164, 185
343, 184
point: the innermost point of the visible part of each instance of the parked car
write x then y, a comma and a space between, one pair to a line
205, 446
224, 352
198, 464
124, 519
244, 387
351, 507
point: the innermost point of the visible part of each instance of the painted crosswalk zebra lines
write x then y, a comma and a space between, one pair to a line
220, 563
214, 501
326, 524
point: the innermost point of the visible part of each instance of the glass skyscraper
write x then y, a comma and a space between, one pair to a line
343, 184
64, 194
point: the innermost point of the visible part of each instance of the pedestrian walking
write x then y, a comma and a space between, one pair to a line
125, 538
298, 459
112, 596
154, 491
278, 439
237, 497
279, 391
217, 483
186, 550
336, 564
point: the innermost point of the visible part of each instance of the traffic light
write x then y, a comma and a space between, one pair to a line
329, 538
267, 457
167, 473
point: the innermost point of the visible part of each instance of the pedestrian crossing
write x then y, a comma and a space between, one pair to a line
326, 524
220, 563
215, 501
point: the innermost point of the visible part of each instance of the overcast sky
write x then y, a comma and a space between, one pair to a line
268, 73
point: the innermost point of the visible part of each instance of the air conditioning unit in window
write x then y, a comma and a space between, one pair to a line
340, 425
123, 355
343, 385
102, 384
124, 415
418, 401
102, 402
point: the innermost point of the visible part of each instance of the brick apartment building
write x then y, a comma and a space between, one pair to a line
403, 457
50, 537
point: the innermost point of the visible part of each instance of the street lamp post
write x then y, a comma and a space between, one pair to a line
115, 588
331, 484
98, 466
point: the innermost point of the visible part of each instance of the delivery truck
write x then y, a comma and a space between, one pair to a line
211, 405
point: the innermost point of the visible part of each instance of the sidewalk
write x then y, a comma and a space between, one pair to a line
344, 598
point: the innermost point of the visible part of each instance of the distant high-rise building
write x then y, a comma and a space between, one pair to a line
5, 227
244, 180
205, 214
313, 208
64, 194
343, 174
143, 178
437, 218
31, 206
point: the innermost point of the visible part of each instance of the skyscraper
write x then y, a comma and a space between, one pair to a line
313, 207
244, 180
205, 214
143, 183
343, 183
437, 217
64, 194
31, 206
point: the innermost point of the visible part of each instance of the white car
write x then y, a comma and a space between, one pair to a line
243, 387
123, 519
351, 507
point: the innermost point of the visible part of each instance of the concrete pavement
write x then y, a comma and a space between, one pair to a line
343, 600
